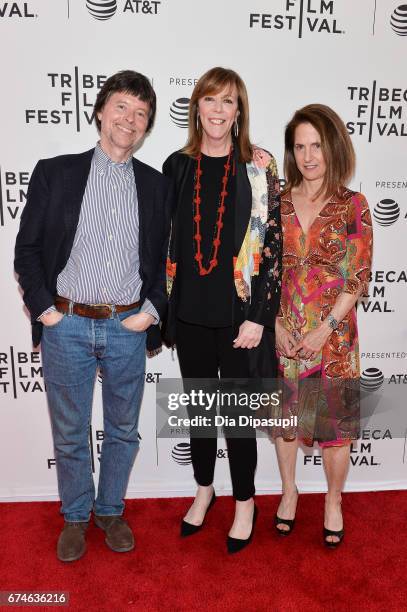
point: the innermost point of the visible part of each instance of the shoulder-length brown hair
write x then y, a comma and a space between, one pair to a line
336, 147
212, 82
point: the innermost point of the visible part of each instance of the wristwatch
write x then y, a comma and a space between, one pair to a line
332, 322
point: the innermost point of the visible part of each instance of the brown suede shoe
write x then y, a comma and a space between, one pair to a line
119, 536
71, 542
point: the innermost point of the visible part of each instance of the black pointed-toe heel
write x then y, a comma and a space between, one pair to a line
234, 545
279, 521
328, 532
187, 529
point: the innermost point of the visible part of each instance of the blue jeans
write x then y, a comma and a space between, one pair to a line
72, 350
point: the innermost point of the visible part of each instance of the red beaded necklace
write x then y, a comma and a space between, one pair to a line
213, 261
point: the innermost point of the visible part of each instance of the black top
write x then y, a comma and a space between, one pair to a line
206, 300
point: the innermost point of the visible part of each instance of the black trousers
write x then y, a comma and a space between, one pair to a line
206, 352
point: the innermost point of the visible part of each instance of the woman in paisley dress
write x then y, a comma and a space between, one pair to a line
327, 250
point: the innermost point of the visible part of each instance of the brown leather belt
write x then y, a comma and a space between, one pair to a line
94, 311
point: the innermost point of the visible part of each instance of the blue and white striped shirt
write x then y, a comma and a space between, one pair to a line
103, 267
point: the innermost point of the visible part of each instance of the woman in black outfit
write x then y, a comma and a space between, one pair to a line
224, 274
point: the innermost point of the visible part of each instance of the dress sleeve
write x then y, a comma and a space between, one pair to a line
359, 246
266, 299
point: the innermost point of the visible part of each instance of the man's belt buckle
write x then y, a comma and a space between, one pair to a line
111, 306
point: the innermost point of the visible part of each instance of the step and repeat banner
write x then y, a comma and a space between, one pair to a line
56, 54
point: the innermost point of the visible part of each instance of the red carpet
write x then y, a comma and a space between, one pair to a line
368, 572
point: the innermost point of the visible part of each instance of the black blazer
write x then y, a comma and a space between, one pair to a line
50, 219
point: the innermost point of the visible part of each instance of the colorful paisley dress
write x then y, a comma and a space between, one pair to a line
334, 256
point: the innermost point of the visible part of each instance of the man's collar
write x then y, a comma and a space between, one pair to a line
103, 161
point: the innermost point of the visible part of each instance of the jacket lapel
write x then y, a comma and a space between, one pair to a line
75, 179
145, 201
243, 204
179, 175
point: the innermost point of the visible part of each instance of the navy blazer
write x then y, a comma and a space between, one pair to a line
48, 227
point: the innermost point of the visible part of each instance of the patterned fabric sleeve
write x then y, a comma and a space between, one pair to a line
266, 298
359, 242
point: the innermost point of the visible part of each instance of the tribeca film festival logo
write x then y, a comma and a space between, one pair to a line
13, 193
76, 93
361, 452
300, 16
380, 281
20, 372
378, 111
398, 20
95, 448
106, 9
22, 10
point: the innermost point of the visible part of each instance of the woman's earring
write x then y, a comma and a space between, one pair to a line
197, 122
236, 128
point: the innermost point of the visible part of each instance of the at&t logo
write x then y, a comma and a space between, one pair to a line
105, 9
300, 16
398, 20
181, 453
179, 112
149, 377
371, 379
386, 212
101, 9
